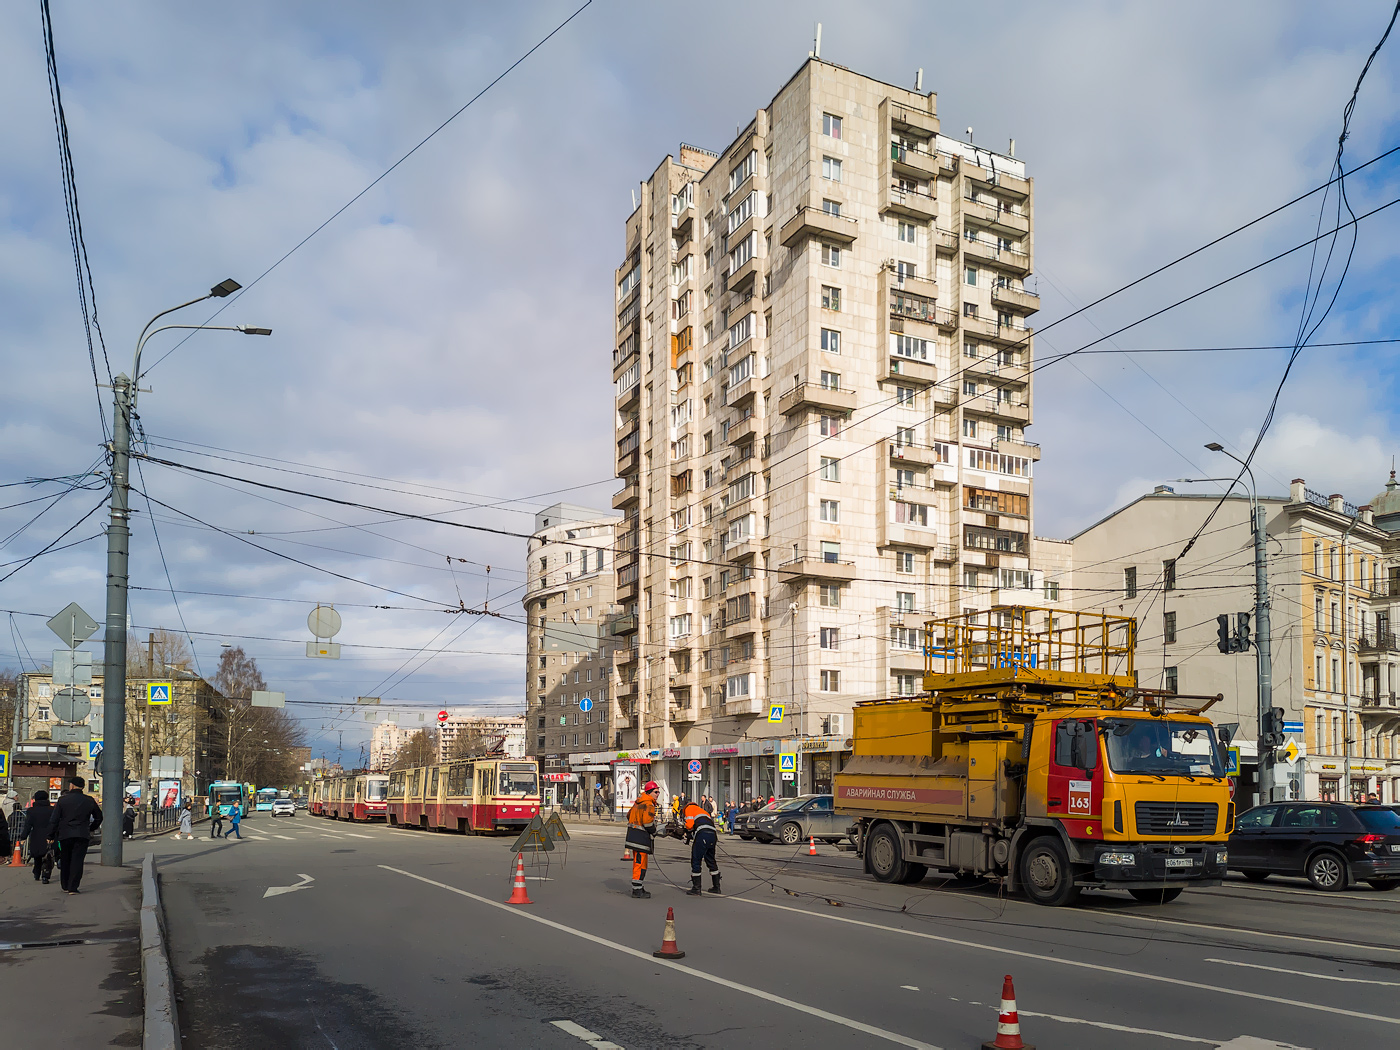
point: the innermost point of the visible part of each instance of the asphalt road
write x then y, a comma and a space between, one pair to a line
400, 938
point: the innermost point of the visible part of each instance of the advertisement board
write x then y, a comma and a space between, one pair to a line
169, 794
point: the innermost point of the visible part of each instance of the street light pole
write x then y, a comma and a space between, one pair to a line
1262, 635
124, 391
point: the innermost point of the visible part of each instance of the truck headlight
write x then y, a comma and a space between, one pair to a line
1123, 859
1222, 857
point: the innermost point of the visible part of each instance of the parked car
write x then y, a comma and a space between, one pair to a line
284, 807
1332, 844
794, 820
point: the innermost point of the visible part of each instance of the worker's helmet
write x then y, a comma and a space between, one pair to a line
651, 786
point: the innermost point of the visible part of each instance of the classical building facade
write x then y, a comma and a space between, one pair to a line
822, 380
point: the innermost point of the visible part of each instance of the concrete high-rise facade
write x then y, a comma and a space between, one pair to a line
822, 387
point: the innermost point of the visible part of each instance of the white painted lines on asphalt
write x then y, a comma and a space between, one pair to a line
1152, 919
591, 1038
1118, 1027
1075, 963
357, 835
757, 993
273, 891
1305, 973
910, 987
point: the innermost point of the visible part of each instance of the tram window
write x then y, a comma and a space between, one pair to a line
517, 779
433, 784
416, 782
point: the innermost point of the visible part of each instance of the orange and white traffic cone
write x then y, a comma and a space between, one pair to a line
811, 846
15, 861
518, 894
1008, 1022
627, 854
668, 939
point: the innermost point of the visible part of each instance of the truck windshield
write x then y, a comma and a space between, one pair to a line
1161, 748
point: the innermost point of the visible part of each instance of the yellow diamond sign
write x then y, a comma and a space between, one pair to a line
1291, 753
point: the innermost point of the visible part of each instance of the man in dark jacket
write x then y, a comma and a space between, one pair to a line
36, 829
75, 816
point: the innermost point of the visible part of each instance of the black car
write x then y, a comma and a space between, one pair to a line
1333, 844
794, 820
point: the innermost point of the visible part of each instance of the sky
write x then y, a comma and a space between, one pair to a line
443, 346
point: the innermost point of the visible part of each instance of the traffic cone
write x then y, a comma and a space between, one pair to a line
1008, 1022
518, 894
811, 846
15, 862
627, 854
668, 939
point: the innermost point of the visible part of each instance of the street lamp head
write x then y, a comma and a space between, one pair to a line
248, 329
224, 288
1216, 446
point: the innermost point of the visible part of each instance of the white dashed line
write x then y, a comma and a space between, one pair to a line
1304, 973
591, 1038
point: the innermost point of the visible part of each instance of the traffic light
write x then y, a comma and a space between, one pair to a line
1273, 728
1242, 632
1222, 633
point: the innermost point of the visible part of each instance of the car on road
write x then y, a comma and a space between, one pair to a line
284, 807
794, 820
1332, 844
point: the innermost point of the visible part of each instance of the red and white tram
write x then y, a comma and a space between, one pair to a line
467, 795
355, 796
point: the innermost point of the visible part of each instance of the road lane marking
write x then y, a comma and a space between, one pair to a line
1237, 930
758, 993
284, 838
1305, 973
1118, 1027
1076, 963
357, 835
273, 891
591, 1038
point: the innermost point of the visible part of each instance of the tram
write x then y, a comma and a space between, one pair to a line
354, 796
468, 795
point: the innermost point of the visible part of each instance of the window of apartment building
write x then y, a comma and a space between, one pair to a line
738, 685
831, 552
908, 233
542, 684
1333, 619
831, 638
1336, 675
1317, 558
831, 169
830, 468
904, 601
831, 681
904, 395
831, 380
831, 256
831, 298
909, 346
831, 125
42, 714
906, 684
1130, 582
1169, 574
1169, 679
544, 661
970, 350
1169, 628
969, 309
970, 387
972, 276
1318, 681
969, 428
902, 513
829, 595
1318, 624
903, 561
904, 437
830, 510
906, 269
1052, 590
831, 426
831, 341
832, 208
1331, 563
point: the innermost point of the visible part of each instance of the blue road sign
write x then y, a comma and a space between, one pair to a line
585, 704
693, 766
94, 748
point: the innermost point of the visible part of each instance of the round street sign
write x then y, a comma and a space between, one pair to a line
71, 705
693, 766
585, 704
324, 622
442, 716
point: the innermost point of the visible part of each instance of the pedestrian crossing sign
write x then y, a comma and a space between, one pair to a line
158, 692
787, 763
4, 763
94, 748
775, 712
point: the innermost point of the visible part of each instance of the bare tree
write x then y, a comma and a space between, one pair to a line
159, 652
418, 750
475, 741
260, 741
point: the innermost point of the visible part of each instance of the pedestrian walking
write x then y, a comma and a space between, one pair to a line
75, 815
235, 818
36, 829
216, 823
730, 813
709, 804
186, 820
129, 819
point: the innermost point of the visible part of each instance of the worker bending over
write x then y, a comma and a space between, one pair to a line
701, 833
641, 835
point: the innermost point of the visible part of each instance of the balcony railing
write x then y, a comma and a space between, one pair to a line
1378, 643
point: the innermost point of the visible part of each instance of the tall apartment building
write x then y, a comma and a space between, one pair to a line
822, 388
482, 734
384, 742
569, 604
1334, 577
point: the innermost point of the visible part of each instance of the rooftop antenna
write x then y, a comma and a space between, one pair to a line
816, 51
919, 80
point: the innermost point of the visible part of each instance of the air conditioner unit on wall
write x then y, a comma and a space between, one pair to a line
835, 725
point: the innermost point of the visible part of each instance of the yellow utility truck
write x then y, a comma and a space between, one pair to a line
1037, 758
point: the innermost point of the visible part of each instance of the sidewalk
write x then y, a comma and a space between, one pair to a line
87, 994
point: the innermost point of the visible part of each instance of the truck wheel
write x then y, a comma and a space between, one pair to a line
791, 833
915, 874
1046, 873
883, 854
1327, 871
1157, 896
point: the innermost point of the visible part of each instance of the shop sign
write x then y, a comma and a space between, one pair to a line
768, 749
560, 778
1326, 765
815, 745
727, 750
671, 752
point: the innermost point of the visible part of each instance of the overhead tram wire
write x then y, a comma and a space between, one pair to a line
150, 513
51, 547
376, 181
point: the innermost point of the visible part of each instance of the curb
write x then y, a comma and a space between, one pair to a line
162, 1028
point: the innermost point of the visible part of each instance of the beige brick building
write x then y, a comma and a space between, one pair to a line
822, 389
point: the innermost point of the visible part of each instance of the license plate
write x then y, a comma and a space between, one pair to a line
1179, 862
1395, 849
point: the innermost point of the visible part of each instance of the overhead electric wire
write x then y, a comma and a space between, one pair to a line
51, 546
375, 182
194, 653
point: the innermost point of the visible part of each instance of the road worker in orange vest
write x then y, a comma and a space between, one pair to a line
701, 833
641, 835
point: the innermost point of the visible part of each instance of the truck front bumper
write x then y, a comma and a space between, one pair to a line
1160, 862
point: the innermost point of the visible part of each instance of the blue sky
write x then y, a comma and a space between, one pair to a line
452, 328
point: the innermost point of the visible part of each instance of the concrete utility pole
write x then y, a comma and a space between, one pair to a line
124, 390
1348, 744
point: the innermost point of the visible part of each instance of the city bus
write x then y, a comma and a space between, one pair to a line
226, 795
265, 797
467, 795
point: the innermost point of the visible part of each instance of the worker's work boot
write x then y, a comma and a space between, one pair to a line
638, 891
694, 890
714, 882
